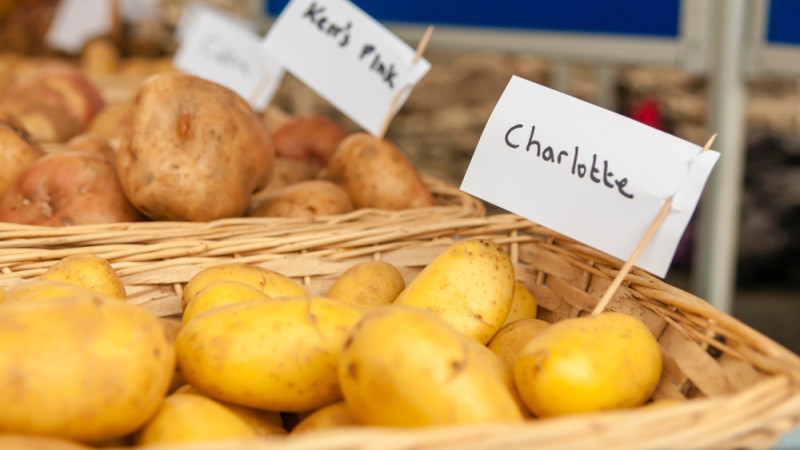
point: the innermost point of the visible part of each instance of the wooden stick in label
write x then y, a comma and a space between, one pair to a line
626, 268
116, 20
420, 50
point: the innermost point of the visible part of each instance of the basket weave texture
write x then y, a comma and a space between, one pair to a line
735, 387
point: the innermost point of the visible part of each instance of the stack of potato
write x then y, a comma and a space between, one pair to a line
256, 355
179, 148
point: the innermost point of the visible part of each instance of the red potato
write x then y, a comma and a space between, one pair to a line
376, 174
18, 150
92, 144
54, 104
309, 137
67, 188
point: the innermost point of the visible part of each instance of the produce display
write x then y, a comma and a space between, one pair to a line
175, 147
256, 355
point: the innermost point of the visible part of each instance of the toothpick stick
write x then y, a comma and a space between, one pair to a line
626, 268
420, 50
116, 20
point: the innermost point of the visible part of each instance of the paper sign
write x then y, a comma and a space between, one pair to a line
588, 173
140, 10
347, 57
192, 11
220, 50
77, 21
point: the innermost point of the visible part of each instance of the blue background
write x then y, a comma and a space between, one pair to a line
783, 22
627, 17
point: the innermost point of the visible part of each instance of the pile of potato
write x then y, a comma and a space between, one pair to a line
256, 355
184, 149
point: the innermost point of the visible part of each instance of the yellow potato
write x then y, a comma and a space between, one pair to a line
25, 442
368, 284
403, 366
280, 354
332, 416
88, 368
470, 285
192, 418
269, 282
89, 271
2, 295
39, 289
594, 363
523, 306
263, 422
509, 342
220, 293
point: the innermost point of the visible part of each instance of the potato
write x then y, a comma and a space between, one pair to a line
67, 188
368, 284
585, 364
309, 137
304, 199
18, 150
267, 281
25, 442
509, 342
263, 422
35, 290
376, 174
100, 56
279, 354
403, 366
53, 104
334, 415
88, 271
86, 367
111, 121
470, 285
287, 172
194, 150
93, 144
523, 306
192, 418
220, 293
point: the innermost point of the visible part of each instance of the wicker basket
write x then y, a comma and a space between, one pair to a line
738, 388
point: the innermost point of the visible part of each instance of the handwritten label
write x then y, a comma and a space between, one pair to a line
347, 57
219, 49
588, 173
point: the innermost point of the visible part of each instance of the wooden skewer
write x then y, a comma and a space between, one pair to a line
626, 268
420, 50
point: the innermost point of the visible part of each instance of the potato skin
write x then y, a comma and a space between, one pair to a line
87, 368
304, 199
67, 188
376, 174
194, 150
470, 285
18, 150
309, 137
367, 285
278, 354
403, 366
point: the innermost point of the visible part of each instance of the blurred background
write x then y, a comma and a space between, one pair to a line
688, 67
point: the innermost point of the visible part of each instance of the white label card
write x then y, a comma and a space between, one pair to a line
76, 21
347, 57
218, 49
588, 173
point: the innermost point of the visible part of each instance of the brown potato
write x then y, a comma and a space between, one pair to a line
286, 173
18, 150
92, 144
111, 121
304, 199
195, 150
100, 56
309, 137
67, 188
376, 174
